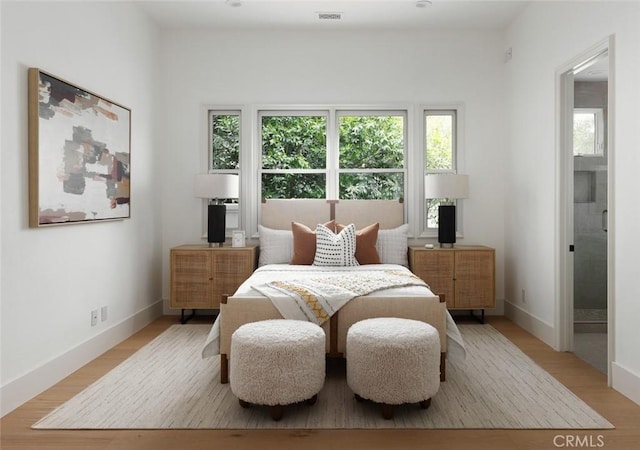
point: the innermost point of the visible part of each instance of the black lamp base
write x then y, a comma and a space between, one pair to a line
447, 225
216, 225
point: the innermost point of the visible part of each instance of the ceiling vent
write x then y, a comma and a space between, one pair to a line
329, 15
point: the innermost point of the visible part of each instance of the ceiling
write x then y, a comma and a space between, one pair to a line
355, 14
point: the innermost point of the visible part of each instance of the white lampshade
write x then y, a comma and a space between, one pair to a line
216, 185
446, 185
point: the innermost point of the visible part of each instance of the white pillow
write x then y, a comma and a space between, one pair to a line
276, 246
335, 249
392, 245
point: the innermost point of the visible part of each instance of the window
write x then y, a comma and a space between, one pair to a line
294, 154
588, 132
225, 140
440, 131
224, 154
371, 155
362, 158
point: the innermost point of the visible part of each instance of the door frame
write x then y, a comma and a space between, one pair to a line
564, 200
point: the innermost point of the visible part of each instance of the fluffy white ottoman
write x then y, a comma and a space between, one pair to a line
276, 363
392, 361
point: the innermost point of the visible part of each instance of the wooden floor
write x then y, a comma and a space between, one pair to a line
584, 381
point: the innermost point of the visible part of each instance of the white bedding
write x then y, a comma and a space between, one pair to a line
286, 272
283, 272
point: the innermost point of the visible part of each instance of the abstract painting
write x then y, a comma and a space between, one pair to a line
79, 154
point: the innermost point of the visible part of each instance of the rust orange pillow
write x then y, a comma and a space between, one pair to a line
304, 242
366, 239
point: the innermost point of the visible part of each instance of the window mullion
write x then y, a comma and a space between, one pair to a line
292, 171
371, 170
333, 155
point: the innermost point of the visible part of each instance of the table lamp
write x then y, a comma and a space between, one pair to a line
216, 187
449, 187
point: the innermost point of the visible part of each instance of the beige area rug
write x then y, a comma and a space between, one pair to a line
166, 384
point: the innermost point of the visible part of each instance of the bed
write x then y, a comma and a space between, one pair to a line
269, 292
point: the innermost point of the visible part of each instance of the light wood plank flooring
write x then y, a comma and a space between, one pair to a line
582, 379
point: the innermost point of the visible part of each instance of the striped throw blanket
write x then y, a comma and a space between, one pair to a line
318, 298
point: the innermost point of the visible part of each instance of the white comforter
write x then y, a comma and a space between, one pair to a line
286, 272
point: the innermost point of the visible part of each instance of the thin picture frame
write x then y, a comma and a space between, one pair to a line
79, 154
238, 238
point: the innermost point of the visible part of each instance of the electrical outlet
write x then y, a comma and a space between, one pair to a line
94, 317
104, 313
524, 296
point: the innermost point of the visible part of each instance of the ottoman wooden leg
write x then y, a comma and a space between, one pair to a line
224, 368
358, 398
276, 412
312, 400
424, 404
243, 403
387, 411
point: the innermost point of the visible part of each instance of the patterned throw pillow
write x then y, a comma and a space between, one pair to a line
335, 249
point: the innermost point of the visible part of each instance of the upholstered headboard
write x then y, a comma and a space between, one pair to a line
279, 213
276, 238
388, 213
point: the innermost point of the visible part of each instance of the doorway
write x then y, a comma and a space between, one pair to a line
590, 211
586, 152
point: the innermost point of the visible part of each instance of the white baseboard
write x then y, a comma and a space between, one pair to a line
626, 382
623, 380
24, 388
531, 323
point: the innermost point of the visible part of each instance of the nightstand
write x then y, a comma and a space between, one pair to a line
202, 275
464, 273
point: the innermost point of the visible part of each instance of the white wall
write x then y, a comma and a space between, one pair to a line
52, 278
543, 41
336, 68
